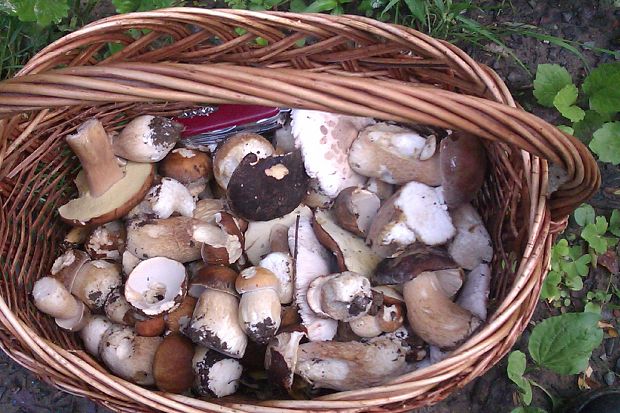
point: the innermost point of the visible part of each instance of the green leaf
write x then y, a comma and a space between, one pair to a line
561, 248
584, 215
564, 343
550, 79
614, 223
418, 8
550, 290
592, 307
581, 264
321, 5
606, 143
515, 370
44, 12
566, 129
146, 5
528, 409
588, 125
297, 6
261, 41
126, 6
564, 102
593, 234
602, 88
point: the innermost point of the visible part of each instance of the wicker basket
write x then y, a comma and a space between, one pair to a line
345, 64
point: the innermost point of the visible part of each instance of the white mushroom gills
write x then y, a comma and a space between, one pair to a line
156, 285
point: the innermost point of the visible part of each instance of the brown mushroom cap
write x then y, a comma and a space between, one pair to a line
177, 319
216, 277
151, 327
172, 365
463, 168
408, 265
354, 209
230, 153
170, 238
264, 189
187, 165
256, 278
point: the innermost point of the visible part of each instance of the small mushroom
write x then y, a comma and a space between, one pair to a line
471, 245
178, 319
156, 285
222, 240
281, 358
415, 213
187, 166
395, 155
259, 308
170, 238
66, 267
118, 309
350, 365
412, 262
215, 374
230, 153
382, 189
106, 242
150, 327
172, 365
258, 234
77, 322
147, 138
170, 196
129, 355
268, 188
95, 281
281, 265
112, 191
475, 293
51, 297
352, 254
324, 139
463, 168
215, 321
312, 261
355, 209
433, 316
389, 318
93, 332
344, 296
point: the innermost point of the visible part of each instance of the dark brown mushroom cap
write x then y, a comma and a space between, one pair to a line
463, 168
186, 165
410, 264
172, 365
265, 189
216, 277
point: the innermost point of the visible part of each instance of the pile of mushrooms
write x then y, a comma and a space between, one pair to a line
338, 254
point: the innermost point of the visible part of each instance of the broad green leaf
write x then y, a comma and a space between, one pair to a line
581, 264
515, 370
24, 9
606, 143
614, 223
601, 86
594, 237
592, 307
573, 280
566, 129
601, 225
564, 102
550, 290
418, 8
321, 5
584, 215
561, 248
564, 343
43, 12
528, 409
550, 79
297, 6
588, 125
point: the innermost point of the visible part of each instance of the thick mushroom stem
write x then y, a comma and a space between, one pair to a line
93, 149
433, 316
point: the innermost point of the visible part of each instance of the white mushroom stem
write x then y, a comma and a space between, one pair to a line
281, 264
259, 314
475, 293
75, 323
51, 297
93, 332
91, 145
171, 196
472, 244
215, 374
312, 261
95, 281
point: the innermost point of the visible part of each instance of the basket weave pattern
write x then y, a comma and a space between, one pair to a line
345, 64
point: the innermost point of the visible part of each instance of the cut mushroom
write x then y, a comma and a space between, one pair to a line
156, 285
351, 252
207, 208
172, 365
472, 244
382, 189
463, 168
355, 209
311, 261
215, 374
475, 293
187, 166
395, 155
269, 188
324, 139
257, 236
77, 322
215, 321
118, 309
95, 281
433, 316
93, 332
259, 308
281, 358
147, 138
170, 196
51, 297
415, 213
170, 238
128, 355
221, 240
281, 265
230, 153
345, 296
112, 190
106, 242
411, 263
178, 319
67, 266
351, 365
129, 262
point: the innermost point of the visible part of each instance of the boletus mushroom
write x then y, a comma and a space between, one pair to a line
281, 358
281, 265
355, 208
222, 240
147, 138
215, 374
413, 261
93, 332
106, 242
168, 197
112, 191
188, 166
471, 245
172, 365
95, 281
344, 296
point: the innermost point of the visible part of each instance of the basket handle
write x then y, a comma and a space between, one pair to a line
383, 99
